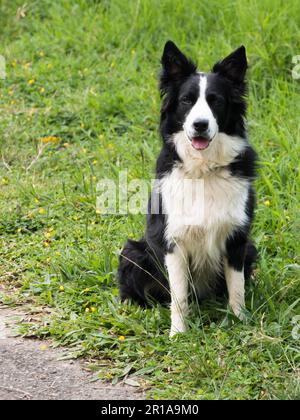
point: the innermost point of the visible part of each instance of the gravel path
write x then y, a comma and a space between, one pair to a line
30, 370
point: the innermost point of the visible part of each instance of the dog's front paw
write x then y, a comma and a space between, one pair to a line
177, 329
239, 311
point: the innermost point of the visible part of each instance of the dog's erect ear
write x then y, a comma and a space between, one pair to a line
234, 66
175, 64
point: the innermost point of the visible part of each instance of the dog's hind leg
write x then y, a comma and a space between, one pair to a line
141, 276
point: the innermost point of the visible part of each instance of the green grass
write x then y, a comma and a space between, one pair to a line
86, 72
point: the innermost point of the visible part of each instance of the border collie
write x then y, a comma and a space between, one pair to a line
205, 142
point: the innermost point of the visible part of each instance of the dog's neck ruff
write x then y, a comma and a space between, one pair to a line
222, 151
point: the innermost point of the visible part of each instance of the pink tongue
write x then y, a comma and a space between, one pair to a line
200, 143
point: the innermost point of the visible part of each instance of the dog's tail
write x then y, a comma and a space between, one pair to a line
141, 274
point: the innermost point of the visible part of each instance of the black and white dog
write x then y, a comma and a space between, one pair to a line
204, 142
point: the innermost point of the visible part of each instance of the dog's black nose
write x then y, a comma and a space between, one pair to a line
201, 126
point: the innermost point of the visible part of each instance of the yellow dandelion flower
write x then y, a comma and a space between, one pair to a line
61, 288
267, 203
94, 162
57, 253
50, 139
31, 82
94, 178
121, 338
42, 210
42, 90
93, 309
46, 244
42, 54
20, 230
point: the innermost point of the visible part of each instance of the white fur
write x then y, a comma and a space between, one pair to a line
223, 207
236, 288
201, 110
221, 152
176, 264
222, 204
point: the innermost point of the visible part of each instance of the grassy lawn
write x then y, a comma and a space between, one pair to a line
80, 103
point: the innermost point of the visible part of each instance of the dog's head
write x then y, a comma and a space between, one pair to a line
202, 105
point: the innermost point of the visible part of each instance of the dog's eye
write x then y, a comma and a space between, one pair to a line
212, 98
185, 100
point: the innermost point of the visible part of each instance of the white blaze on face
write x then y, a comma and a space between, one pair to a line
201, 110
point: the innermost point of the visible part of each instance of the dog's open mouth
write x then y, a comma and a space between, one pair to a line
200, 143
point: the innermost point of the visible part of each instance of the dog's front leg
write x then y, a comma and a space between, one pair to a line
176, 264
234, 272
236, 289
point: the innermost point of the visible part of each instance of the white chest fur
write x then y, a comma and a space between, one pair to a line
213, 213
